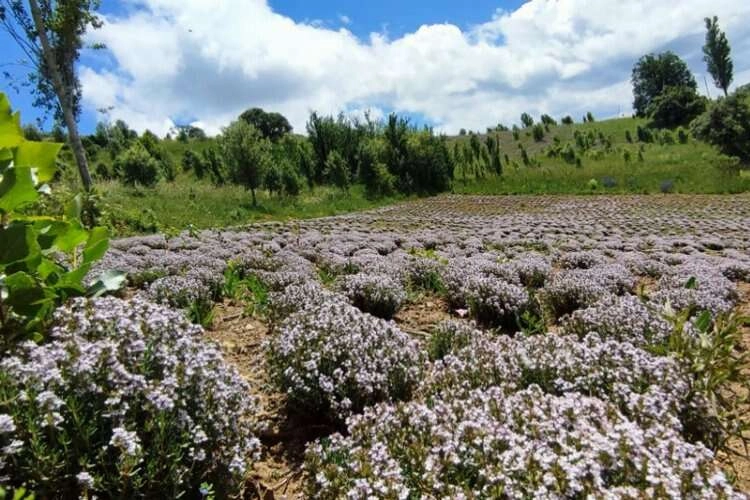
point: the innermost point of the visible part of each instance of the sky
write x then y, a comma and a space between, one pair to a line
447, 64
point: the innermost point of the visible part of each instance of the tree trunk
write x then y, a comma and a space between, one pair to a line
63, 96
255, 203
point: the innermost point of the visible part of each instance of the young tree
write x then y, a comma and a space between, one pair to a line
716, 54
526, 120
50, 33
247, 154
726, 125
653, 73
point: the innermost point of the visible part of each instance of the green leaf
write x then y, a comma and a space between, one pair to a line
109, 281
6, 157
11, 133
73, 208
71, 283
97, 244
19, 245
692, 283
63, 236
25, 295
39, 155
703, 322
16, 189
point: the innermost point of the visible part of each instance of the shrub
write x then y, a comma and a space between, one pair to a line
247, 154
185, 292
643, 134
373, 172
726, 125
126, 397
337, 171
334, 360
526, 120
567, 120
572, 289
525, 445
589, 117
136, 166
610, 182
449, 337
682, 136
495, 302
291, 182
625, 319
537, 132
628, 136
376, 294
675, 106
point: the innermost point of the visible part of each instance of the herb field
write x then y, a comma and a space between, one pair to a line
453, 347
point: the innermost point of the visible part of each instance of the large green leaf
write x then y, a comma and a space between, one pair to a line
19, 245
16, 189
108, 281
25, 295
97, 244
11, 133
39, 155
61, 235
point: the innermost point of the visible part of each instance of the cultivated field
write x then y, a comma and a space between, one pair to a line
464, 347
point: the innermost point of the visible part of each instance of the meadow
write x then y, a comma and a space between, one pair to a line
457, 346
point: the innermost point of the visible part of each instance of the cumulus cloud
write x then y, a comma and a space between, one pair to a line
205, 62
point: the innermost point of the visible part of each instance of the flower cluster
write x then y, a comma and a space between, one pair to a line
624, 318
495, 302
377, 294
126, 397
526, 445
333, 360
572, 289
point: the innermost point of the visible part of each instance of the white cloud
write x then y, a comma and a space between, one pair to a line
198, 61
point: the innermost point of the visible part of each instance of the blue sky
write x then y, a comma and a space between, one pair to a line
439, 61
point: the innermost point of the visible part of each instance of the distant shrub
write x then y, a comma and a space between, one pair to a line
726, 125
644, 134
592, 184
272, 179
675, 106
666, 138
626, 156
628, 136
191, 162
373, 171
334, 360
567, 120
291, 182
516, 134
682, 136
590, 117
137, 166
537, 132
526, 120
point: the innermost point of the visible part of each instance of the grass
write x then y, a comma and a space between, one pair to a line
694, 167
187, 203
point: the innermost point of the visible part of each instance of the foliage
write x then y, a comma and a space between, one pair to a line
271, 125
137, 167
726, 125
126, 398
716, 54
337, 171
43, 260
246, 154
537, 132
653, 74
675, 106
373, 171
526, 120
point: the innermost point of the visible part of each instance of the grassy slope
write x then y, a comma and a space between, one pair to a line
691, 167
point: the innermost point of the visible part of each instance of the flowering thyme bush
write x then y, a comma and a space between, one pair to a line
185, 292
376, 294
334, 360
495, 302
575, 288
126, 399
450, 336
624, 318
526, 445
644, 386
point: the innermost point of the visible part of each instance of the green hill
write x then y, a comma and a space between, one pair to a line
610, 163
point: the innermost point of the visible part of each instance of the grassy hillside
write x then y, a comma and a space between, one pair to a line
693, 167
